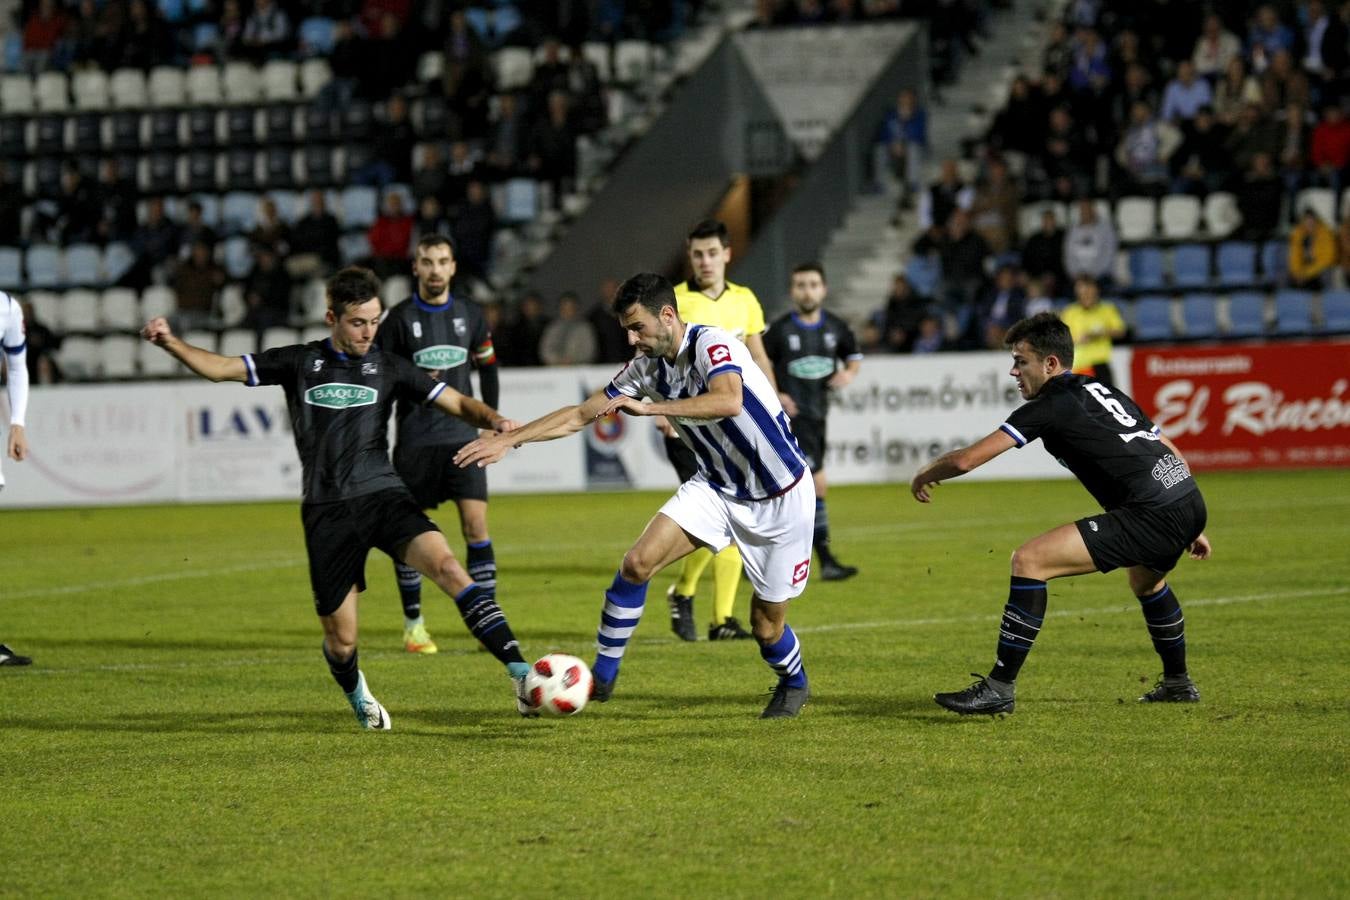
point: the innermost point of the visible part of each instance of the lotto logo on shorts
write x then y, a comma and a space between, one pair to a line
718, 354
800, 571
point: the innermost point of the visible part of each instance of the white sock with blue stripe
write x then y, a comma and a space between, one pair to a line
623, 609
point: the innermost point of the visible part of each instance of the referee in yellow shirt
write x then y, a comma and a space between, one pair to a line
709, 299
1094, 324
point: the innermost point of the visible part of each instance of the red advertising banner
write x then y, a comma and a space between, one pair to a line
1246, 407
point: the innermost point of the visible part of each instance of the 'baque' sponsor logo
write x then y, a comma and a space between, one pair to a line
335, 395
441, 356
811, 368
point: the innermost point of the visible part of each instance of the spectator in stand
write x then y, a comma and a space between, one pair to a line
462, 167
944, 196
901, 316
42, 33
1090, 245
1331, 147
1200, 165
1038, 299
1128, 52
569, 339
78, 210
929, 338
390, 237
393, 148
550, 74
1324, 43
196, 230
553, 147
267, 292
155, 242
1185, 94
1094, 325
1066, 151
1267, 37
1015, 126
271, 231
432, 178
230, 31
1000, 305
996, 206
462, 43
1089, 73
869, 337
1144, 150
506, 138
1252, 134
431, 219
196, 282
964, 257
1293, 132
1259, 195
1312, 251
588, 92
519, 345
468, 89
1136, 87
1283, 83
1043, 255
1342, 251
475, 223
267, 31
347, 60
611, 341
117, 197
1214, 49
146, 40
1235, 91
903, 146
12, 205
393, 56
314, 240
43, 345
1057, 56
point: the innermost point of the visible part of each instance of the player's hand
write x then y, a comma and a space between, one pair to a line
789, 405
663, 425
841, 379
488, 449
18, 444
157, 331
505, 425
922, 489
626, 405
1200, 549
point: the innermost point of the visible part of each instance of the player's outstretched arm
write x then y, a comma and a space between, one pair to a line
211, 366
473, 411
490, 448
958, 462
723, 400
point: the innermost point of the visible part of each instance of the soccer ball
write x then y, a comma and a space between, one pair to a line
558, 685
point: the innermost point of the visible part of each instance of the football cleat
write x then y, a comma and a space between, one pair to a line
1173, 689
729, 630
682, 615
418, 640
834, 571
601, 691
981, 697
786, 701
9, 658
369, 712
524, 701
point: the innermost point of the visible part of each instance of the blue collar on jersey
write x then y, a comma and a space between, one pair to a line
432, 308
801, 324
328, 342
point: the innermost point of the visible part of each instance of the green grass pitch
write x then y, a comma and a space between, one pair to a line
179, 734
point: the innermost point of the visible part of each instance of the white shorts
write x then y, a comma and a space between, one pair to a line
774, 535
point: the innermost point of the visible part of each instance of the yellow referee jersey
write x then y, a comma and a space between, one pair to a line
1090, 329
736, 309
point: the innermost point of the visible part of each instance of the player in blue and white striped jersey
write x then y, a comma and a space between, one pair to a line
14, 343
751, 488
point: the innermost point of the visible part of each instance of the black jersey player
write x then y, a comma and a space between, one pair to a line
1153, 511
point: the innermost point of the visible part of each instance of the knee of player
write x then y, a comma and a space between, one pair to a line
1024, 563
635, 568
340, 644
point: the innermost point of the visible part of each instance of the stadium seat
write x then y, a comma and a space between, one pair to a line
90, 87
521, 200
199, 124
1146, 268
359, 206
1293, 312
16, 94
241, 82
354, 247
314, 74
395, 289
632, 61
157, 171
278, 337
47, 134
241, 169
167, 86
924, 274
118, 355
200, 172
203, 85
1199, 315
1323, 200
431, 116
279, 124
236, 257
122, 131
318, 124
158, 300
430, 67
358, 121
154, 362
230, 306
46, 173
84, 264
1221, 214
1236, 263
241, 126
46, 307
1102, 207
513, 68
239, 212
162, 129
319, 165
317, 34
1275, 261
238, 341
80, 358
120, 309
13, 136
1152, 319
291, 205
84, 134
127, 89
311, 333
118, 258
278, 168
597, 54
46, 266
1180, 216
204, 338
1136, 218
1190, 265
280, 79
11, 268
1246, 314
1335, 312
80, 311
51, 92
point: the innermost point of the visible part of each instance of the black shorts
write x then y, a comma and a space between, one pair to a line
338, 536
1154, 537
682, 458
432, 476
810, 435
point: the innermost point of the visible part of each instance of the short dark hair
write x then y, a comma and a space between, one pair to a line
436, 239
650, 291
1046, 334
352, 286
811, 266
710, 228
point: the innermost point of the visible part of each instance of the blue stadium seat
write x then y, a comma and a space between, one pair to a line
1152, 319
355, 247
1146, 268
1190, 265
235, 256
1198, 313
1237, 263
360, 206
1336, 312
1293, 312
45, 268
317, 36
923, 274
11, 269
239, 212
84, 264
1274, 261
1246, 314
118, 258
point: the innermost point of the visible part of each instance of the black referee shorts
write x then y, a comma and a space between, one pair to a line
338, 535
432, 476
1144, 536
810, 435
682, 458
